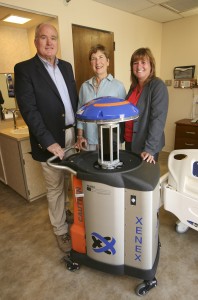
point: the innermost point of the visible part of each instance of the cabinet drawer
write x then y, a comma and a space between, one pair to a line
184, 143
187, 132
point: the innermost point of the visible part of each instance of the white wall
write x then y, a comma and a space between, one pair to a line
11, 51
179, 48
130, 31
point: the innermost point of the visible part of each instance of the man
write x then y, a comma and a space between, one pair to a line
47, 98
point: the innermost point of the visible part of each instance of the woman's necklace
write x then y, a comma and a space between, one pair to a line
95, 83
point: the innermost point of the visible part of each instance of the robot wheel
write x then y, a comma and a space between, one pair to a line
143, 288
70, 264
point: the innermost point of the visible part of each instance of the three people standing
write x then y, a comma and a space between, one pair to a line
47, 97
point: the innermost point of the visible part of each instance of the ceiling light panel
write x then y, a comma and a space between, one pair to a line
16, 19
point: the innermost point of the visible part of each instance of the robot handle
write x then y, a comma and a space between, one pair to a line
60, 167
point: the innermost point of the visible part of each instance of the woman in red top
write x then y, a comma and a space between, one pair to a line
145, 135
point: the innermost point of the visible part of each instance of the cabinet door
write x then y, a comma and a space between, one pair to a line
12, 165
34, 177
2, 172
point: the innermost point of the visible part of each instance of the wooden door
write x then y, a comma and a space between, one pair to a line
83, 39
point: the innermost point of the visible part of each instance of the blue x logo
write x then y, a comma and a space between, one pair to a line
103, 244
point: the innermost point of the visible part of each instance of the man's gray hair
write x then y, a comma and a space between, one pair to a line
38, 27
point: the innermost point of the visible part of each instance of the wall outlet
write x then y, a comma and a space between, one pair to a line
168, 82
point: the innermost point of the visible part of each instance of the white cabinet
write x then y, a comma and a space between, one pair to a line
21, 172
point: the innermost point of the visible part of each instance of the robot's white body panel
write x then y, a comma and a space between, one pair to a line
121, 225
104, 218
141, 228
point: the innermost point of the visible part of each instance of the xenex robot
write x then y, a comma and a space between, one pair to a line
116, 200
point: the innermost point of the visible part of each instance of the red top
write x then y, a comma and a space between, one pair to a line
128, 133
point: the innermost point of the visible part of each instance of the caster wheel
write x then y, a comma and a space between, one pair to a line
70, 264
143, 288
181, 227
140, 289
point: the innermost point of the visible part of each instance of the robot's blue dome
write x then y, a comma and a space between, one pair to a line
107, 109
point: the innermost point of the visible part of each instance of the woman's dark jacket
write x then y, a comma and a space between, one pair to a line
148, 129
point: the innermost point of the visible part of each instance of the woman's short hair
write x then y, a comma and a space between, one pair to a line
98, 47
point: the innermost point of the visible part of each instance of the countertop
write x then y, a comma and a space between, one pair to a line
9, 132
7, 128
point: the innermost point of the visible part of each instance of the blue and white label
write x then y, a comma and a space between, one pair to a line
138, 239
103, 244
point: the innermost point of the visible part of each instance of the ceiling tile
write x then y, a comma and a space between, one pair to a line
155, 9
158, 14
127, 5
181, 5
189, 13
159, 1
